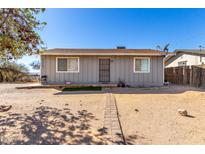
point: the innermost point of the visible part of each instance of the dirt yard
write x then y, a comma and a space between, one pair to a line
46, 116
149, 116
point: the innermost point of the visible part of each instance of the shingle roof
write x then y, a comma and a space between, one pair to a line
191, 51
60, 51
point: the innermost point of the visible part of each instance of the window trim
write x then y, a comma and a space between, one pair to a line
104, 58
148, 58
78, 71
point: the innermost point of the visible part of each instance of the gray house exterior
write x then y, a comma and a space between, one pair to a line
135, 67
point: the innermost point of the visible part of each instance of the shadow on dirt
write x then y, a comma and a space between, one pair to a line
49, 125
190, 116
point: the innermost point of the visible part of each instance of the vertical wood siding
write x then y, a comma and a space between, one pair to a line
121, 68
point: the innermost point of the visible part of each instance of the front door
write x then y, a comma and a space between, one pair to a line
104, 70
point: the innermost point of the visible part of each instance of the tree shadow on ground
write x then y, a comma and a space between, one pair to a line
47, 125
137, 139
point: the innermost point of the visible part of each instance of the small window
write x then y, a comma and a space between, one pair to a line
141, 65
70, 64
73, 64
182, 63
62, 64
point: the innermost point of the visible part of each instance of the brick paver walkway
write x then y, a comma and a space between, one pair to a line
111, 120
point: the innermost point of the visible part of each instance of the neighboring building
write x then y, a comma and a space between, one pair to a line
185, 57
136, 67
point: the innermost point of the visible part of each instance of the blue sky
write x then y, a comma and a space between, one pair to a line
133, 28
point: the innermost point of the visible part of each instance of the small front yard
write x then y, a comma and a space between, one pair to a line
149, 116
45, 116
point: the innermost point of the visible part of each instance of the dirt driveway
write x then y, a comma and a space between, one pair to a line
45, 116
149, 116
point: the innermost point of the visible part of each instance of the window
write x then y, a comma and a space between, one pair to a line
62, 64
141, 65
67, 64
182, 63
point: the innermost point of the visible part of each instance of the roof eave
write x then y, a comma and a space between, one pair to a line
191, 53
101, 54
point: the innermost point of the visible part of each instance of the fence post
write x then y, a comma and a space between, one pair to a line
184, 73
203, 78
200, 77
174, 76
190, 75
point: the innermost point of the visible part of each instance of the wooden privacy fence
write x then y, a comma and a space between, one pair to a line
186, 75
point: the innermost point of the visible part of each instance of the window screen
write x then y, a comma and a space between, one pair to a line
141, 65
62, 64
68, 64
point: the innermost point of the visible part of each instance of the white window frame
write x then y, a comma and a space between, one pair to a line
148, 58
67, 64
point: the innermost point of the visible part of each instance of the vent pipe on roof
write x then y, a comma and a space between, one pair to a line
121, 47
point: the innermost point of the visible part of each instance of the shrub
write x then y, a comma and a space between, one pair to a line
121, 83
12, 72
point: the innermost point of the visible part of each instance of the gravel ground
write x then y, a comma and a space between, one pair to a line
149, 116
47, 116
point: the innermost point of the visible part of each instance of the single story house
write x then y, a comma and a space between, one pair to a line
185, 57
135, 67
